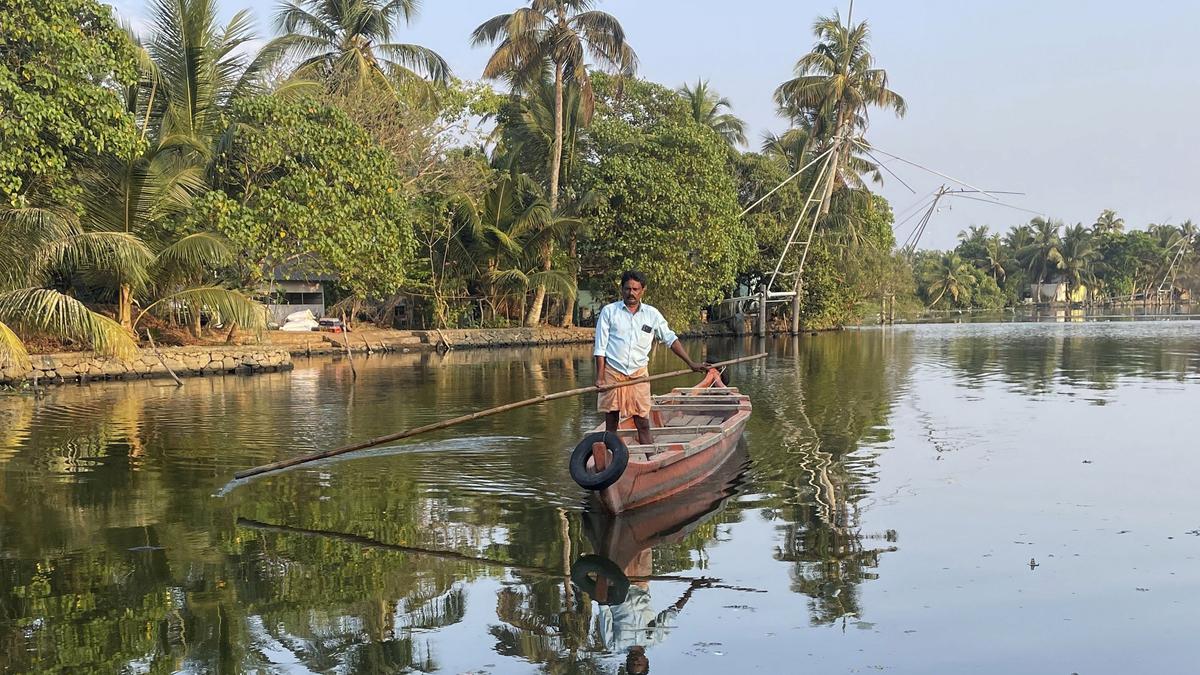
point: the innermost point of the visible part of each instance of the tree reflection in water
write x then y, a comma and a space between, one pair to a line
116, 556
828, 403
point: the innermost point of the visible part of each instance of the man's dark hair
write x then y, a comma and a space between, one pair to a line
635, 275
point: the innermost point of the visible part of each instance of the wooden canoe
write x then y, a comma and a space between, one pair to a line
695, 430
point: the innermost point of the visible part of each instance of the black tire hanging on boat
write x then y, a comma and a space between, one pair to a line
618, 583
599, 480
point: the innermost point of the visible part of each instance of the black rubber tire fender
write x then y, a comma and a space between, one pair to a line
599, 480
618, 583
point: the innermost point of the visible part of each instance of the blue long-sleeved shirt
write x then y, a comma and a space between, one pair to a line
624, 338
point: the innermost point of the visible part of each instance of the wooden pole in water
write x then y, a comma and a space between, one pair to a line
363, 445
162, 360
762, 313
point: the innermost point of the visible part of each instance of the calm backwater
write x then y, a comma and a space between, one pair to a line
985, 498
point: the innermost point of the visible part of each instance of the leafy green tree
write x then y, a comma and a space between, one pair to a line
558, 34
714, 111
57, 60
305, 187
1130, 261
669, 204
348, 43
57, 111
985, 292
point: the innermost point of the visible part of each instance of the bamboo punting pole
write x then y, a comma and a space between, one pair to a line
363, 445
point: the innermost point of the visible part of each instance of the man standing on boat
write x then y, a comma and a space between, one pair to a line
625, 332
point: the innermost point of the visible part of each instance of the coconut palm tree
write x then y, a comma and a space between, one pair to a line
37, 245
557, 35
132, 196
525, 128
792, 146
834, 87
491, 230
1039, 255
348, 43
949, 275
714, 111
1019, 237
998, 259
503, 235
1108, 221
193, 68
1075, 258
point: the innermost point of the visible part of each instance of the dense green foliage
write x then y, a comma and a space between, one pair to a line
1100, 263
669, 205
57, 58
305, 188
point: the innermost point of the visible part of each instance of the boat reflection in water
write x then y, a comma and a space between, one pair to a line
617, 576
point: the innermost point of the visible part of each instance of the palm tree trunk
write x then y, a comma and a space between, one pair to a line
568, 318
939, 297
556, 155
125, 307
196, 330
539, 294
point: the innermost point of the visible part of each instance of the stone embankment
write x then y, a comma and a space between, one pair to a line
278, 348
184, 361
371, 340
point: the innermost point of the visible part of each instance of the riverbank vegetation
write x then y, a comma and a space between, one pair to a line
1047, 261
165, 176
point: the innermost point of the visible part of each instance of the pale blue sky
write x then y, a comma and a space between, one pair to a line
1081, 105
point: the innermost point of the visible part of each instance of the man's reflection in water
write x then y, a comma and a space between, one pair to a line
634, 622
636, 662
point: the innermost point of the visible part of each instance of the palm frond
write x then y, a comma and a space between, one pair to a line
489, 31
24, 230
46, 311
293, 19
556, 282
12, 349
229, 305
193, 255
421, 59
121, 255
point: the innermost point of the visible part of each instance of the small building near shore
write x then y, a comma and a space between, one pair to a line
1056, 292
290, 291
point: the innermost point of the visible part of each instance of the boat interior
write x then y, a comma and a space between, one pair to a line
682, 419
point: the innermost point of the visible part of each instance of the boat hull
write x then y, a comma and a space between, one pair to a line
666, 473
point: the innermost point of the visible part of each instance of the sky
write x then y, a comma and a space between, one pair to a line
1080, 105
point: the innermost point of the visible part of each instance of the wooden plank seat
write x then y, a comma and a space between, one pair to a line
675, 430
